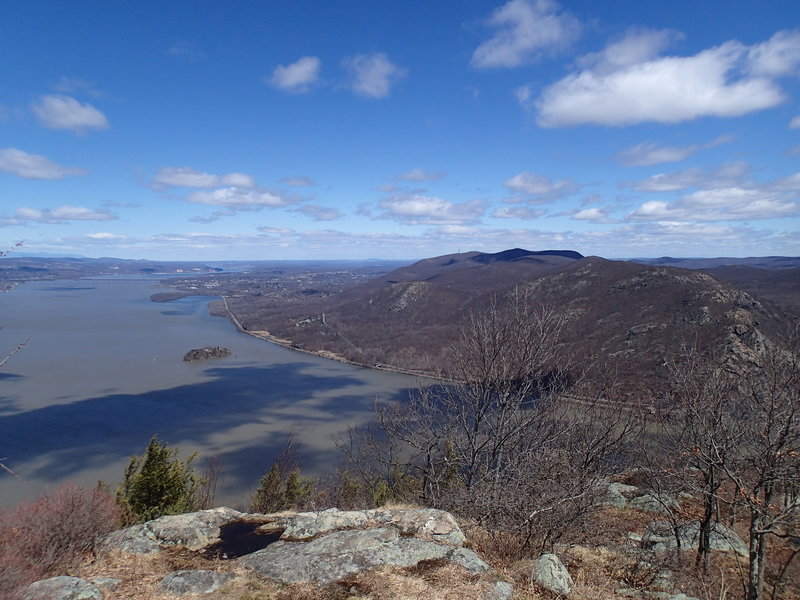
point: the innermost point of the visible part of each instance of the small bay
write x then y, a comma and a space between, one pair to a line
102, 372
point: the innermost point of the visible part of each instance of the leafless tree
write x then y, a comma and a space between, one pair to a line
504, 444
766, 469
700, 432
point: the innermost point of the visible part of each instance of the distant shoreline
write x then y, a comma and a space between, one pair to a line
284, 343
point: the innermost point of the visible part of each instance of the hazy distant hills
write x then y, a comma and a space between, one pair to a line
759, 262
626, 315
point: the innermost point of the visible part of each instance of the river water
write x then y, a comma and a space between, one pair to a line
103, 371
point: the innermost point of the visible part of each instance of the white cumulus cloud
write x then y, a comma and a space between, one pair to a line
372, 75
526, 213
298, 77
319, 213
525, 29
630, 82
57, 111
241, 199
417, 209
33, 166
728, 175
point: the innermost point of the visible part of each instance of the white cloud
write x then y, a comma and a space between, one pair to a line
420, 175
319, 213
540, 186
728, 175
777, 57
720, 204
372, 75
62, 214
56, 111
524, 30
648, 153
299, 181
795, 123
33, 166
593, 215
238, 198
416, 209
188, 177
298, 77
628, 83
526, 213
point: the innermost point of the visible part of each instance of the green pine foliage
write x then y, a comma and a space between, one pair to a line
158, 483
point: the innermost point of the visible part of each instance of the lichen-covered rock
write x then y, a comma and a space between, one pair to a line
194, 581
333, 556
306, 526
194, 531
657, 503
499, 590
661, 536
549, 572
62, 588
618, 494
435, 525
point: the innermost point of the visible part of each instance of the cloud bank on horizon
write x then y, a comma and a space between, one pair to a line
408, 130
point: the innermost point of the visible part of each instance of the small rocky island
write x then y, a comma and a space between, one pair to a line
198, 354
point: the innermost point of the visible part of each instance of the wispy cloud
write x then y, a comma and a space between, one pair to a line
630, 82
417, 209
62, 214
728, 175
524, 31
418, 174
192, 178
372, 75
539, 188
795, 123
298, 77
649, 153
33, 166
299, 181
319, 213
526, 213
56, 111
187, 51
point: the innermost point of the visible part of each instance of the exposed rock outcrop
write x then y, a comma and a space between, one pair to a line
661, 536
312, 547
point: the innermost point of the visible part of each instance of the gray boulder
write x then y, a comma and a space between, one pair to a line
62, 588
194, 581
499, 590
618, 494
333, 556
194, 531
550, 573
657, 503
660, 537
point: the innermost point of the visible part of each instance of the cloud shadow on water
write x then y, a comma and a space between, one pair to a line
89, 434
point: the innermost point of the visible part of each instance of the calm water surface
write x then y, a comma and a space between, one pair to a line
103, 372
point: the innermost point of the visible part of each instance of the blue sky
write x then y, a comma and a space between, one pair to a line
371, 129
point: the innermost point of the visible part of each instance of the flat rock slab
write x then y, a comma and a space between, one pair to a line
341, 553
194, 581
62, 588
194, 531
